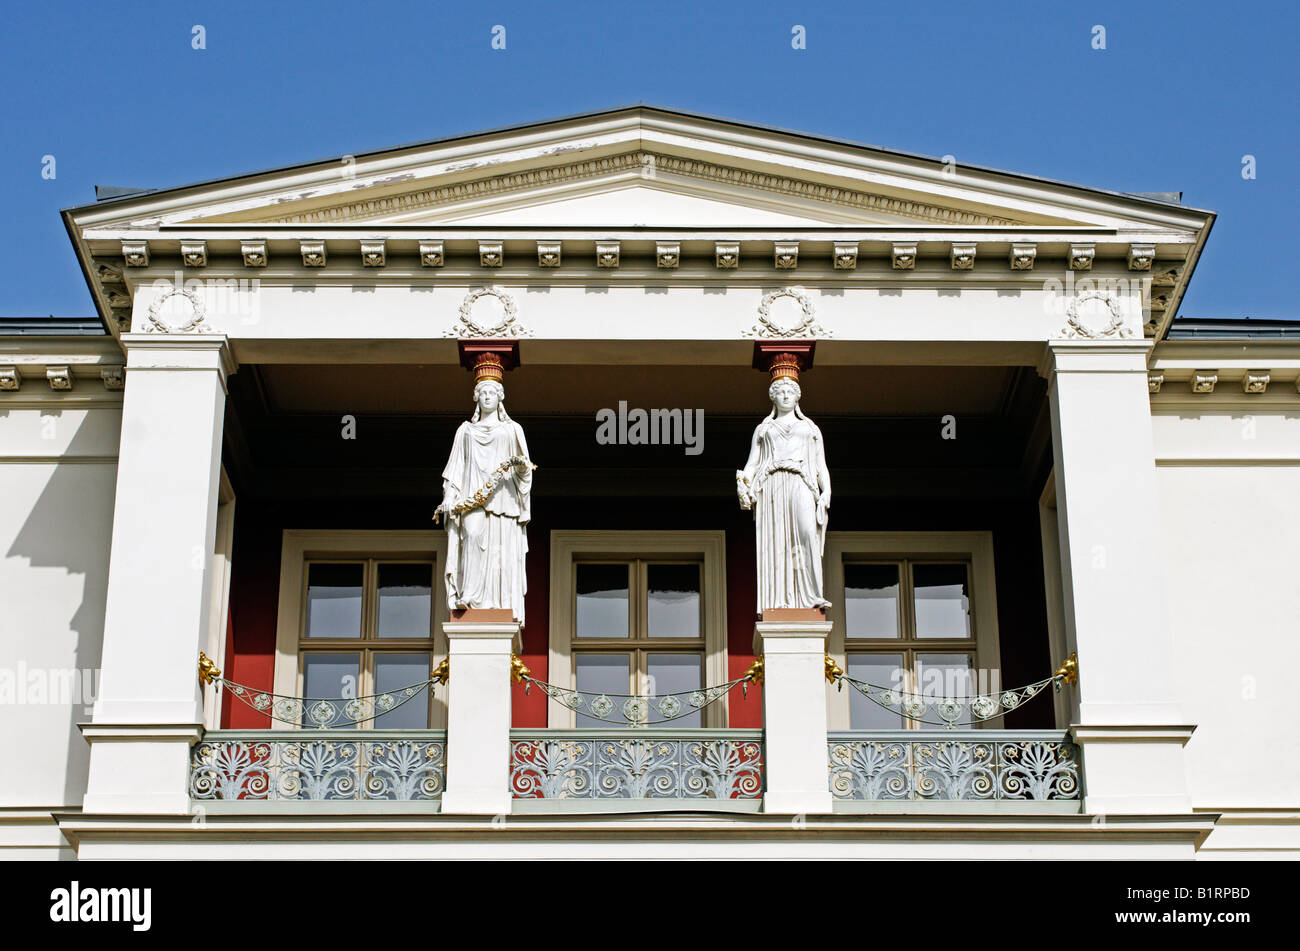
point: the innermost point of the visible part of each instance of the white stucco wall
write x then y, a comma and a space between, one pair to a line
57, 472
1229, 485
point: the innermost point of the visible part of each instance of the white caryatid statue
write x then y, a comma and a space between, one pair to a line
788, 487
486, 496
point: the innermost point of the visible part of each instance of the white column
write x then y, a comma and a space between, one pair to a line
478, 716
148, 712
1127, 719
794, 715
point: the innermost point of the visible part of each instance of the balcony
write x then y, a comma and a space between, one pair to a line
264, 766
596, 770
953, 771
1023, 771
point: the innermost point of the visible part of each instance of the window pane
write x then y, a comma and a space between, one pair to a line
329, 677
401, 670
602, 601
879, 670
942, 601
674, 600
944, 675
870, 600
603, 673
675, 673
334, 600
405, 600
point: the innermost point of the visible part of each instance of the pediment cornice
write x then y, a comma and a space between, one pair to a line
636, 194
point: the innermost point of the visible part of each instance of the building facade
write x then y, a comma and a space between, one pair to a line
1058, 552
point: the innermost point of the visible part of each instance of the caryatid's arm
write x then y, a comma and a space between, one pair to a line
451, 489
823, 475
523, 476
745, 477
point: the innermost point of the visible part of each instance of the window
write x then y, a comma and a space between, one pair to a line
367, 628
907, 615
638, 628
359, 615
637, 613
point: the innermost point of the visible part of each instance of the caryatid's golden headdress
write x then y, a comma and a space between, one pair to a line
785, 366
488, 366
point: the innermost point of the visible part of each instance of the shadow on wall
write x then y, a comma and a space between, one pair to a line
60, 623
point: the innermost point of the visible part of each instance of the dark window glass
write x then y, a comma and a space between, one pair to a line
405, 600
942, 600
871, 600
674, 600
602, 600
334, 600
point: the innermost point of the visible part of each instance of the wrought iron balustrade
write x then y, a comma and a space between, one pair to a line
636, 764
1017, 765
318, 765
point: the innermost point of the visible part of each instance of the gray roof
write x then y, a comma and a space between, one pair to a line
51, 326
1233, 328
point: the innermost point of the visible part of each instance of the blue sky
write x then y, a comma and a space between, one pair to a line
1182, 92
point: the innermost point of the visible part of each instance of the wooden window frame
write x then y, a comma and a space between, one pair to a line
299, 547
568, 548
973, 548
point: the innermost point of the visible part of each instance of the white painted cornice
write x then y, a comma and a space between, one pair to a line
710, 147
862, 193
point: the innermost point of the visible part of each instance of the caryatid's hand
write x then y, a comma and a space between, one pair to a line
449, 502
743, 493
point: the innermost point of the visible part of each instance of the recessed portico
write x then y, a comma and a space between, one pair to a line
978, 341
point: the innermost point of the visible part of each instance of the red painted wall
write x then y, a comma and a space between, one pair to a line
1017, 553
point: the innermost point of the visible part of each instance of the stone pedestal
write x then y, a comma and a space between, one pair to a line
478, 715
794, 714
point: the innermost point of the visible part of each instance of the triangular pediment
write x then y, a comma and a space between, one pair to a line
630, 167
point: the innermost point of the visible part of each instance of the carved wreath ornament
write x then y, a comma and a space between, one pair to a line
1076, 326
193, 324
507, 325
806, 326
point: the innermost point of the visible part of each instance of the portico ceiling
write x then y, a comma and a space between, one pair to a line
884, 391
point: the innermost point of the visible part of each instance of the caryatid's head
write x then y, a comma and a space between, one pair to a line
489, 395
489, 391
784, 391
784, 394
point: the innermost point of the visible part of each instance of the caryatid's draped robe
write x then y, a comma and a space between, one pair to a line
486, 545
786, 460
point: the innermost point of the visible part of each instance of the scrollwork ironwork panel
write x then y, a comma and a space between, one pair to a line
1001, 765
579, 765
283, 766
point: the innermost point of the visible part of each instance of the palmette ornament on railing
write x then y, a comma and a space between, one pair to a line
953, 712
973, 765
703, 765
322, 713
331, 767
